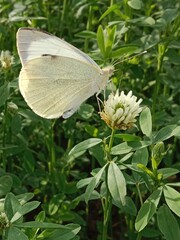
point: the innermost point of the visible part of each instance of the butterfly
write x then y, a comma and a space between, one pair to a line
56, 77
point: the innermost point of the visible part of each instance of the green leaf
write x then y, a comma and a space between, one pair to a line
168, 172
86, 34
98, 152
110, 40
127, 137
135, 4
34, 224
167, 223
144, 215
172, 198
147, 21
177, 132
75, 155
129, 207
76, 238
170, 14
167, 132
125, 158
16, 124
91, 130
4, 92
61, 234
11, 205
14, 210
40, 217
22, 210
147, 210
83, 182
176, 184
86, 111
6, 183
124, 51
150, 233
141, 156
145, 121
109, 10
93, 183
116, 183
24, 197
15, 233
101, 41
127, 147
82, 146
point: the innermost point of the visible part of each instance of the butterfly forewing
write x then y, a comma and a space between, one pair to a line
32, 44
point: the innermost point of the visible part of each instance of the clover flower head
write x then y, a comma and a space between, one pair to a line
6, 59
120, 110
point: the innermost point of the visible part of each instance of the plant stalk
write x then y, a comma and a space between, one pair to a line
107, 205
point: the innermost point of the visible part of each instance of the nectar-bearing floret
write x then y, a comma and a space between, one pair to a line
120, 110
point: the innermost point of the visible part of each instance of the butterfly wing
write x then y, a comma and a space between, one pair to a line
32, 43
57, 85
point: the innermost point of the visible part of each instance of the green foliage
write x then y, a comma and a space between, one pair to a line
146, 122
116, 183
73, 178
147, 210
11, 218
167, 223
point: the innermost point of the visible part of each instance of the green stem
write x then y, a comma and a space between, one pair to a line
139, 194
111, 141
141, 201
62, 17
64, 11
107, 204
106, 215
4, 160
111, 2
128, 13
51, 163
88, 27
162, 47
139, 236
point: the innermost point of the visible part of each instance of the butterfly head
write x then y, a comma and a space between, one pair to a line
107, 72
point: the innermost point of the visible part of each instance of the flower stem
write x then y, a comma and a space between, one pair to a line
107, 204
139, 236
111, 141
139, 193
141, 201
106, 215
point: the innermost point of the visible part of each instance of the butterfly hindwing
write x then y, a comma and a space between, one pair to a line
53, 86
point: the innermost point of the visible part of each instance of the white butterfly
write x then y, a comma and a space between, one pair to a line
56, 78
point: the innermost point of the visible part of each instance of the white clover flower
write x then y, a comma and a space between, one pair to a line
120, 111
6, 59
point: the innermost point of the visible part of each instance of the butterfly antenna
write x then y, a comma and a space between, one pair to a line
129, 58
